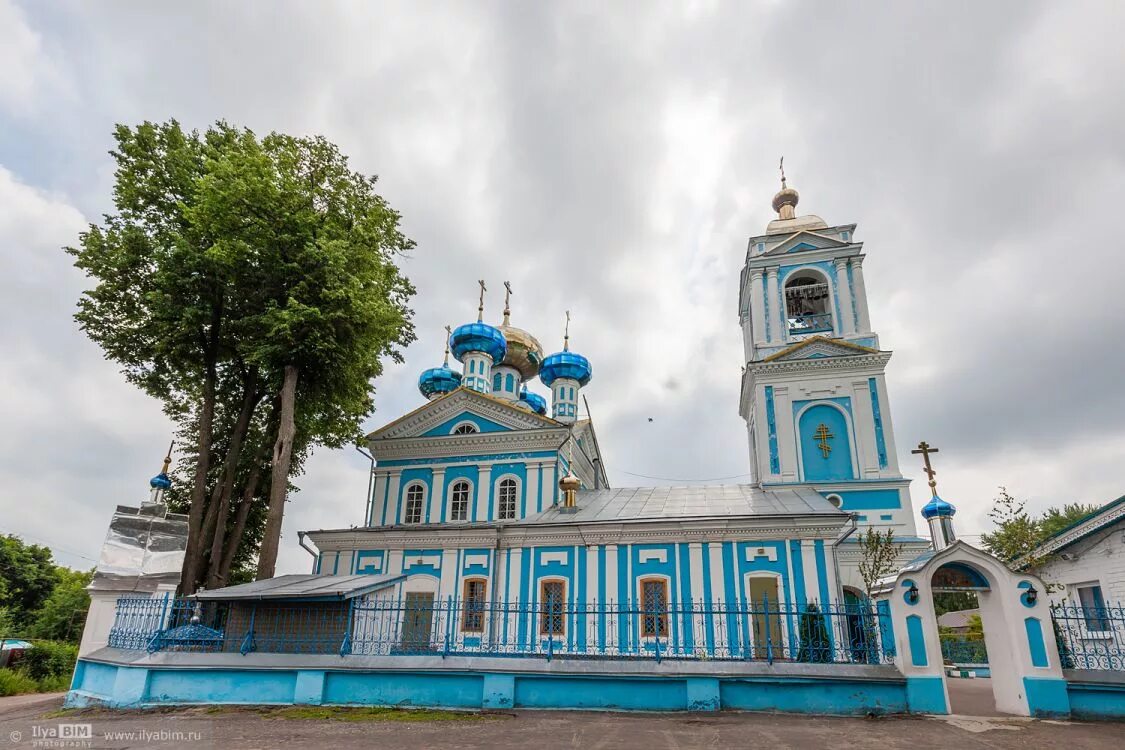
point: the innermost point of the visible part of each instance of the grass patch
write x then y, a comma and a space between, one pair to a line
13, 682
371, 713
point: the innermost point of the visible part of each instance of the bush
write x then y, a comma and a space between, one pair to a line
14, 682
48, 659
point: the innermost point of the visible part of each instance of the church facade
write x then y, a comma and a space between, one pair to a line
481, 495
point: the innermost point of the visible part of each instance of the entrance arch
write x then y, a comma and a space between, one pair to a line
1026, 674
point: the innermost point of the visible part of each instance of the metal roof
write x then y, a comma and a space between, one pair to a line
658, 503
332, 588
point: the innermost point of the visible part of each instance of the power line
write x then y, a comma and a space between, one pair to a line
51, 545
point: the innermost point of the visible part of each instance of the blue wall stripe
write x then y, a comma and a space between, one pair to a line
917, 641
880, 443
1035, 641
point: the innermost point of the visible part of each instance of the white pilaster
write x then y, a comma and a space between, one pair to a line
844, 297
393, 565
550, 489
864, 424
695, 570
378, 498
718, 590
392, 498
864, 321
611, 577
808, 564
437, 496
757, 307
786, 434
484, 492
531, 489
777, 307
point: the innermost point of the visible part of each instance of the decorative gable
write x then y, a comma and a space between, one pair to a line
804, 242
440, 416
820, 347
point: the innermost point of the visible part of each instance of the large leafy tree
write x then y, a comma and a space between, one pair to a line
251, 285
1018, 533
27, 577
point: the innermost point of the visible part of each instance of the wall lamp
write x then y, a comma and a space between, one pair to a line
1032, 595
912, 594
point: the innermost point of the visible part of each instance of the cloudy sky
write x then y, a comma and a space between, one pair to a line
612, 159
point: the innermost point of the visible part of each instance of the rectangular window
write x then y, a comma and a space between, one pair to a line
552, 608
472, 619
654, 608
1093, 607
415, 497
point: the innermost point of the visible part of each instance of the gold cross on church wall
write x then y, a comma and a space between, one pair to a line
822, 436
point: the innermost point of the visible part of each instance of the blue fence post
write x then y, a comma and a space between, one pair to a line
769, 636
248, 644
346, 645
448, 625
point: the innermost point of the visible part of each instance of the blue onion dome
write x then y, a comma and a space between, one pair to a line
937, 507
438, 380
160, 482
565, 364
478, 337
534, 401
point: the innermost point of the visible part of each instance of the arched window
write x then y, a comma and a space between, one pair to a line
465, 428
496, 382
654, 607
459, 501
807, 303
415, 501
472, 613
836, 500
509, 382
506, 499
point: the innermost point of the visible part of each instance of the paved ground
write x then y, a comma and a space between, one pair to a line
972, 696
266, 728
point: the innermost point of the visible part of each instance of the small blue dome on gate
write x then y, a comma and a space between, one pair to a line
565, 364
438, 380
160, 482
535, 402
478, 337
937, 507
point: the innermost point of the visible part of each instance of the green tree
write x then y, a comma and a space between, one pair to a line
880, 555
1018, 533
251, 285
27, 576
64, 612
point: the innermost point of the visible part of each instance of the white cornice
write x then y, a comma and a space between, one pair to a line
820, 364
476, 444
460, 401
587, 534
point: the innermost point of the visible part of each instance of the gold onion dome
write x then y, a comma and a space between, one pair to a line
525, 353
785, 201
570, 482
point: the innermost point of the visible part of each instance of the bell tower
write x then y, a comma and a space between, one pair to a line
814, 393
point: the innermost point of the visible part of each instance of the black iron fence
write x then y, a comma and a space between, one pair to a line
418, 625
1090, 637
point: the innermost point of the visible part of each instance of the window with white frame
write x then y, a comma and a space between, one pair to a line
507, 492
459, 500
654, 607
552, 607
465, 428
415, 501
1093, 606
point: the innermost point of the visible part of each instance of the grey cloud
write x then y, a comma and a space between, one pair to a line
612, 161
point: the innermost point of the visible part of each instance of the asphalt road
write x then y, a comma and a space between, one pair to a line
35, 719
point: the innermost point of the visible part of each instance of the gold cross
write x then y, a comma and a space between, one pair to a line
566, 333
448, 335
925, 449
781, 168
507, 296
480, 308
822, 435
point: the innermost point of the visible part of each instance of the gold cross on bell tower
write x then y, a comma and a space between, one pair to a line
925, 449
823, 435
480, 307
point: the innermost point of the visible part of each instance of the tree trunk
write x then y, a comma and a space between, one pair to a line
279, 479
249, 492
191, 570
215, 525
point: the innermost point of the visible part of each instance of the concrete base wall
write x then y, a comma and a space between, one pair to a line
1096, 694
510, 683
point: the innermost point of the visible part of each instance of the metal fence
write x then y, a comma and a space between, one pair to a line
766, 630
1090, 637
964, 650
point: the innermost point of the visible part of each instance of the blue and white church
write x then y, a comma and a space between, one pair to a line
482, 493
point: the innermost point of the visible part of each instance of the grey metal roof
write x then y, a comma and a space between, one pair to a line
658, 503
338, 588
